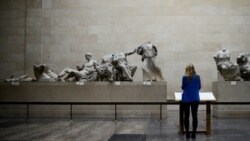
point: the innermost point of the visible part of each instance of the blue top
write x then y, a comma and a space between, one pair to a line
191, 88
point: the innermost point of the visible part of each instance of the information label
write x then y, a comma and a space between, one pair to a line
14, 83
233, 82
80, 83
147, 83
117, 83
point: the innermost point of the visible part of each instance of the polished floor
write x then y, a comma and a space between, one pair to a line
56, 129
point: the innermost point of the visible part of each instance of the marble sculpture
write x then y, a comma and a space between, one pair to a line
42, 72
151, 72
125, 71
22, 78
115, 67
86, 72
106, 71
243, 60
230, 71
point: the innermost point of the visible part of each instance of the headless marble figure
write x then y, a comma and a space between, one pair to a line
106, 69
22, 78
115, 67
86, 72
42, 72
229, 70
151, 72
243, 60
125, 71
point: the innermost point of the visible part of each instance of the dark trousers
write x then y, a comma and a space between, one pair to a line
194, 109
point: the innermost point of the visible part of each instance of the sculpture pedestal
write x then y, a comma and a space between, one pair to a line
231, 91
88, 92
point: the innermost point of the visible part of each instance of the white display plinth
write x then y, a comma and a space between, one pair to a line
204, 96
231, 91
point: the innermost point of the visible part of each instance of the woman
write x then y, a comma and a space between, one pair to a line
191, 85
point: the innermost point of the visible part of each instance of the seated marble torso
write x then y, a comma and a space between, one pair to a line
228, 69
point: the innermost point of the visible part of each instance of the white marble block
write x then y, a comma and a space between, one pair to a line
231, 91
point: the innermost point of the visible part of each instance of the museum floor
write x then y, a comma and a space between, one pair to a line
56, 129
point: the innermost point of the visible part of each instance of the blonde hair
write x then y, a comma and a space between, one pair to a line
190, 71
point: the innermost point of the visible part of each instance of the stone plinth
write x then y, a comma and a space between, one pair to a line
231, 91
89, 92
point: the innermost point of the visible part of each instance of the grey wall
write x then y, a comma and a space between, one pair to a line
12, 37
58, 32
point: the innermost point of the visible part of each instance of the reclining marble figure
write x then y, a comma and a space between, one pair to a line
151, 72
243, 60
42, 72
230, 71
115, 67
22, 78
86, 72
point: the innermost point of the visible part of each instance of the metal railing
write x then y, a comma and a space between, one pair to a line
170, 102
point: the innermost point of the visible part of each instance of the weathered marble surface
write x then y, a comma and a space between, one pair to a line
151, 72
243, 60
43, 72
115, 67
15, 78
230, 71
86, 72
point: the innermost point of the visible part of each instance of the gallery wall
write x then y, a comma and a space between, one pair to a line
59, 32
12, 37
